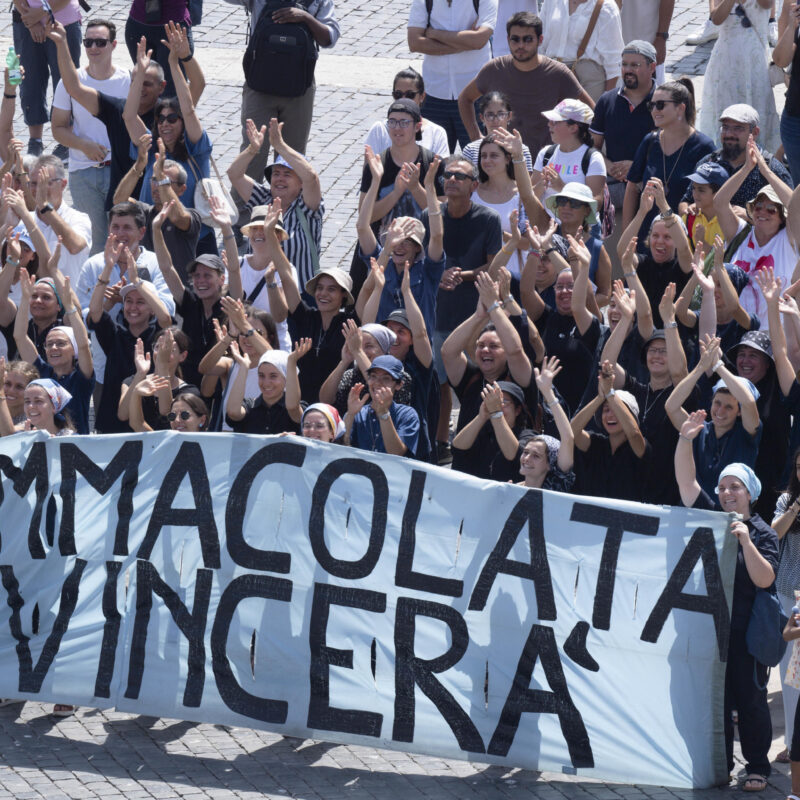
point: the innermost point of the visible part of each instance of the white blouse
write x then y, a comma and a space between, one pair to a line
563, 33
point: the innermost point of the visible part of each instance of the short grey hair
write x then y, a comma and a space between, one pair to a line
55, 164
459, 159
182, 176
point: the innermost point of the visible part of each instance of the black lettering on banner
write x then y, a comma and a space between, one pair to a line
405, 575
350, 570
575, 647
233, 695
527, 511
700, 547
521, 698
411, 671
244, 554
189, 461
21, 479
30, 677
321, 714
126, 463
615, 522
108, 648
191, 625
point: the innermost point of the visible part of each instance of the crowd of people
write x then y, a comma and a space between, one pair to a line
605, 280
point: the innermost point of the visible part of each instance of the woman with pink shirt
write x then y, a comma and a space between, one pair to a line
37, 55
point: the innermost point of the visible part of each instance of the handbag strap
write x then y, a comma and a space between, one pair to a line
256, 290
198, 179
598, 7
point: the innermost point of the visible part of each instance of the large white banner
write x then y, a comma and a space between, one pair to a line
325, 592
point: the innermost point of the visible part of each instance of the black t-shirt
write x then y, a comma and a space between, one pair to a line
469, 241
326, 346
656, 277
576, 352
618, 475
110, 114
200, 330
485, 459
263, 419
744, 590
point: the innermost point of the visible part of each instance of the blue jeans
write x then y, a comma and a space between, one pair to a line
41, 62
154, 34
89, 188
790, 137
445, 113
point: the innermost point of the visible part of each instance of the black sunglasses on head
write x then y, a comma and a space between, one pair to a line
171, 118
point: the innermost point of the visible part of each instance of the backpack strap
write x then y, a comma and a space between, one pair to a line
256, 290
548, 154
586, 160
733, 246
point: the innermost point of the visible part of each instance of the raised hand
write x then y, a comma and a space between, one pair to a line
666, 306
374, 163
255, 135
141, 359
301, 347
546, 375
693, 424
492, 397
355, 402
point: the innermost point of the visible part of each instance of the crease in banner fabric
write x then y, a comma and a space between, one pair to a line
329, 593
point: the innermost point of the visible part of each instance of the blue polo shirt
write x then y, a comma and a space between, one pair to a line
425, 276
623, 125
366, 432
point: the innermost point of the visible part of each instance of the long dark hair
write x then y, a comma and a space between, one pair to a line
179, 153
793, 489
482, 176
681, 91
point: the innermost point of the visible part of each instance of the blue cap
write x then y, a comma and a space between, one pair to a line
709, 173
389, 364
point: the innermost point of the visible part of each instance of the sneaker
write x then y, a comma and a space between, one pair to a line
708, 33
35, 147
773, 33
444, 454
62, 152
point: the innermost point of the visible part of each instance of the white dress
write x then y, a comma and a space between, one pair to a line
737, 72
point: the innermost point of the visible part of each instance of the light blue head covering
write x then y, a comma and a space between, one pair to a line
745, 475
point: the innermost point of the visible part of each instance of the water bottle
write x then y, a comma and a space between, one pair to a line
14, 72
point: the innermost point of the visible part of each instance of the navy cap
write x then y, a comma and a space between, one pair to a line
389, 364
709, 173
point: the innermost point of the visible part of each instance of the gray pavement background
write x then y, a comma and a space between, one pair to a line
106, 754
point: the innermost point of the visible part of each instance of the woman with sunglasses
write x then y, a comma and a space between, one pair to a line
738, 70
494, 112
670, 153
769, 238
188, 412
177, 125
408, 83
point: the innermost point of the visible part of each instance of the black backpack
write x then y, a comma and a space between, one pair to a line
280, 58
607, 212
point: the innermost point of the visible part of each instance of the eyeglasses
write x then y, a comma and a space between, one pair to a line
410, 94
392, 123
496, 115
659, 104
569, 201
173, 117
771, 210
657, 351
153, 179
743, 18
524, 39
630, 65
459, 176
89, 42
737, 129
315, 426
184, 415
564, 287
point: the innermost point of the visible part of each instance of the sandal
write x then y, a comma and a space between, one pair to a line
754, 783
62, 710
783, 756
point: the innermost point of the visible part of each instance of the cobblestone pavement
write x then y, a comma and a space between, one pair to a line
106, 754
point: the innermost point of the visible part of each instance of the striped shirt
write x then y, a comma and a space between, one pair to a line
297, 247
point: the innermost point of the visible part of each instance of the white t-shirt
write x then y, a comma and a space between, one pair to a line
434, 138
69, 264
568, 166
777, 253
83, 123
250, 279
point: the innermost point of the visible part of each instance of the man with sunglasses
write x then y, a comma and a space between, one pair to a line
86, 137
533, 83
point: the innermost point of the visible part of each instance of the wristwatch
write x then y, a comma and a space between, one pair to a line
46, 208
663, 34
